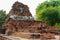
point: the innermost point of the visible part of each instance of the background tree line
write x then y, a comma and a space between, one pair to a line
2, 17
49, 12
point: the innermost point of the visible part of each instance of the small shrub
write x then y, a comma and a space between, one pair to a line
57, 25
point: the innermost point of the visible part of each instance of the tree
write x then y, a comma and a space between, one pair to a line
48, 12
2, 17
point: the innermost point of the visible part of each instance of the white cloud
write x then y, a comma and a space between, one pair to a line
7, 4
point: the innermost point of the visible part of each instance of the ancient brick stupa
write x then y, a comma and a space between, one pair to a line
21, 23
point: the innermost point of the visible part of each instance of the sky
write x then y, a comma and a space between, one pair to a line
6, 5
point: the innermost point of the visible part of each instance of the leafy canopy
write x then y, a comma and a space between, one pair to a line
48, 12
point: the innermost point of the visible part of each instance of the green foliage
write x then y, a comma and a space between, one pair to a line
2, 17
54, 0
48, 12
47, 4
58, 25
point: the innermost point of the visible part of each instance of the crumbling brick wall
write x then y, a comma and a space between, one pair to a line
31, 26
16, 9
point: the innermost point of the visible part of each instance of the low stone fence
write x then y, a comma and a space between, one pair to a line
3, 37
57, 38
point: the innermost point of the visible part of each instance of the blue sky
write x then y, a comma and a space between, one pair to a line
32, 4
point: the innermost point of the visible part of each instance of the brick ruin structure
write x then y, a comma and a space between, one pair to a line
21, 23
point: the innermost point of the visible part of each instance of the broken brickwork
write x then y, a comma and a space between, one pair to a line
13, 25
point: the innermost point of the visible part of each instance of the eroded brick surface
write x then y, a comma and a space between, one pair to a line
16, 26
